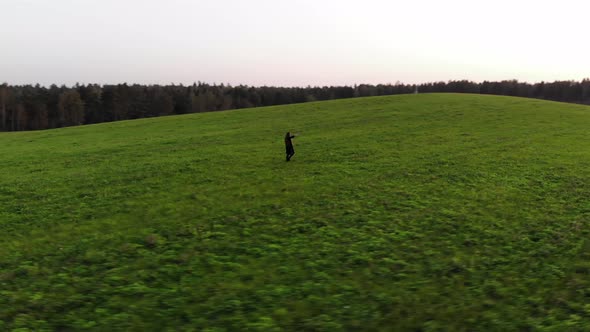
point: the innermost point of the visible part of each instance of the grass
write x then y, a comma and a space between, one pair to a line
416, 212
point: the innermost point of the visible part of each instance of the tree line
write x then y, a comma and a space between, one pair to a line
28, 107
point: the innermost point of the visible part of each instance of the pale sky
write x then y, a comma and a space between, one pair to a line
292, 43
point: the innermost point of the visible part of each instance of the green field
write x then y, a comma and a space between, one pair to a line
415, 212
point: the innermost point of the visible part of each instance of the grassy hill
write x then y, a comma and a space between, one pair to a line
414, 212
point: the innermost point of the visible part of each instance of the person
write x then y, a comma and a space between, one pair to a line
289, 145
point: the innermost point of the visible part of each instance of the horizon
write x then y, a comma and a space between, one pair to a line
263, 43
70, 86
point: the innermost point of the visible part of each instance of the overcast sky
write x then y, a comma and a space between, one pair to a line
292, 43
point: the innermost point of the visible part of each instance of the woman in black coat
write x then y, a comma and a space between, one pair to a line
289, 145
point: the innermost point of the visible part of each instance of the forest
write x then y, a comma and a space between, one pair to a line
28, 107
